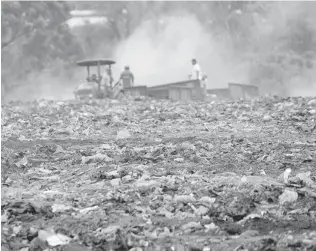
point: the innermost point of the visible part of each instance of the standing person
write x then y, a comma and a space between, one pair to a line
106, 82
196, 70
197, 75
127, 77
204, 84
106, 78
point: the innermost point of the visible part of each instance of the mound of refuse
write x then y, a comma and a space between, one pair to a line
159, 175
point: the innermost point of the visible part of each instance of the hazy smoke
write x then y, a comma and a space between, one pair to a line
268, 32
161, 53
304, 85
45, 85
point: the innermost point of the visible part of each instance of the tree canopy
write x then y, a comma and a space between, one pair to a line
34, 34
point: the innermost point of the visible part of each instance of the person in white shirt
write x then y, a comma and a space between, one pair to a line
196, 70
106, 82
106, 78
197, 74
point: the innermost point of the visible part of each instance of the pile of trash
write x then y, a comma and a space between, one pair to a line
159, 175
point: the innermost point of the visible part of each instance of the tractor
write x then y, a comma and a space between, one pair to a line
93, 87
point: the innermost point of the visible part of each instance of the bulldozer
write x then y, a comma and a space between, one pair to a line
93, 88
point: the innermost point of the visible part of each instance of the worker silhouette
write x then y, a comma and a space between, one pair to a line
196, 70
198, 75
127, 78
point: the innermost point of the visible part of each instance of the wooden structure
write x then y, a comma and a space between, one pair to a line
184, 90
136, 91
191, 90
180, 93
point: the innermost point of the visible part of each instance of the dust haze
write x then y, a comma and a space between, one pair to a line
45, 85
268, 32
160, 54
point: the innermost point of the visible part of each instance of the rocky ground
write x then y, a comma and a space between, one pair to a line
159, 175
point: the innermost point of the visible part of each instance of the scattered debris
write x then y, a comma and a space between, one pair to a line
60, 208
22, 163
58, 240
96, 158
135, 175
123, 134
288, 196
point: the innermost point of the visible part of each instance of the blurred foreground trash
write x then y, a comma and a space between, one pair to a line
288, 196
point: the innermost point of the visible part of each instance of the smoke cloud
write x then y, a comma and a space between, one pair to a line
161, 55
45, 85
279, 20
160, 52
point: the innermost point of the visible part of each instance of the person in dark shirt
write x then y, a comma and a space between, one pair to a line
127, 77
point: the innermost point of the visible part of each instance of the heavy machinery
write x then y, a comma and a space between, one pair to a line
92, 87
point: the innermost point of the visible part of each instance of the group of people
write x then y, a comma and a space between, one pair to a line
107, 82
127, 78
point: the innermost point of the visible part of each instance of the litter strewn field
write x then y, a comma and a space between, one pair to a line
159, 175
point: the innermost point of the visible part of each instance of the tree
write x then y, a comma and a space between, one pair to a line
34, 35
122, 17
23, 19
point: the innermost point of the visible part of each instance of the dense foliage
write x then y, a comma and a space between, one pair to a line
34, 36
